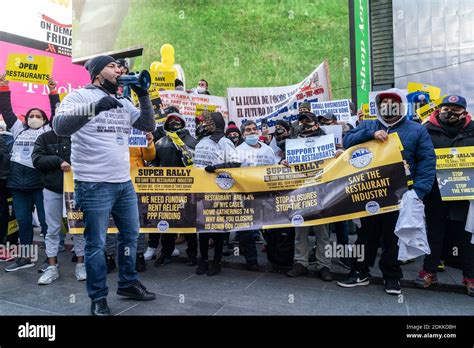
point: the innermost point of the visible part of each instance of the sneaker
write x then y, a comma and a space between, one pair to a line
392, 286
150, 254
176, 252
6, 256
110, 261
215, 268
355, 278
325, 274
49, 276
44, 266
137, 292
297, 270
469, 284
425, 279
80, 272
344, 262
140, 264
202, 268
163, 261
19, 263
191, 261
441, 267
100, 307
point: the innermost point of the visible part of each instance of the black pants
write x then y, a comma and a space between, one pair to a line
204, 245
248, 246
154, 240
373, 228
461, 245
168, 244
4, 193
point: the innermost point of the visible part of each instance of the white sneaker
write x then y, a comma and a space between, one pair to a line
150, 254
81, 272
49, 276
176, 252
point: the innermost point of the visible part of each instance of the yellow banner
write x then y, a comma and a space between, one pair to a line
433, 91
29, 68
366, 179
425, 111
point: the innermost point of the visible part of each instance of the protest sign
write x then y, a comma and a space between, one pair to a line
336, 130
340, 108
274, 103
366, 113
304, 150
29, 68
366, 179
425, 111
455, 173
12, 223
137, 138
433, 91
163, 80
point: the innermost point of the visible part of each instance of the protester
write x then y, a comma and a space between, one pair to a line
4, 193
308, 127
282, 132
138, 156
51, 156
233, 134
23, 179
175, 149
102, 174
213, 151
252, 153
178, 85
202, 87
420, 157
450, 126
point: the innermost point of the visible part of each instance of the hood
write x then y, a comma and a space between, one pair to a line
165, 126
220, 126
434, 120
404, 110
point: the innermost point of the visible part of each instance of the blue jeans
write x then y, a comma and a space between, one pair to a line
23, 204
99, 200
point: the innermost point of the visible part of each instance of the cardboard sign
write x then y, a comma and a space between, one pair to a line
434, 91
163, 80
340, 108
304, 150
29, 68
425, 111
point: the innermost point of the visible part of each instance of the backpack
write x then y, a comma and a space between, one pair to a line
280, 246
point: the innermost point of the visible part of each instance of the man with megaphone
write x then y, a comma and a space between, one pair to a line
99, 125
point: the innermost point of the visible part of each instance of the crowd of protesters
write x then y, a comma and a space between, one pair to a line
36, 151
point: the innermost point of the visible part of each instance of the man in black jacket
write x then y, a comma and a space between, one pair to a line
450, 126
175, 149
51, 156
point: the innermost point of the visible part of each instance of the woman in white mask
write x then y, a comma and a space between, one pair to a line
23, 179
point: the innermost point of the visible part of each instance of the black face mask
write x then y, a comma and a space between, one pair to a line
307, 128
234, 139
174, 126
450, 117
109, 86
279, 132
202, 131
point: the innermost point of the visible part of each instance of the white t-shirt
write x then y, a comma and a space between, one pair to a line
25, 142
99, 151
253, 157
208, 152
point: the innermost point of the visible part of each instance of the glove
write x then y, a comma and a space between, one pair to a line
139, 91
210, 169
106, 103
